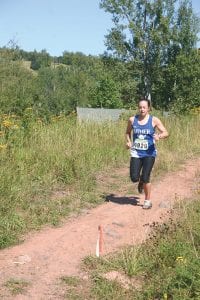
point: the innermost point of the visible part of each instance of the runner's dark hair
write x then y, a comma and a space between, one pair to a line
142, 98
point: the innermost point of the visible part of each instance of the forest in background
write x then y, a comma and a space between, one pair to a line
151, 52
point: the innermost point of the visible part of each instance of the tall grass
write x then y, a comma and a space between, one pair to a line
166, 266
38, 159
182, 144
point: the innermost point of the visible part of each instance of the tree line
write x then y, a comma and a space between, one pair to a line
151, 51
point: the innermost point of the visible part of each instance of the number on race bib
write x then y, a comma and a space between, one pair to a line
140, 144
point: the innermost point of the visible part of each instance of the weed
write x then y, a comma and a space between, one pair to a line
76, 288
71, 280
16, 286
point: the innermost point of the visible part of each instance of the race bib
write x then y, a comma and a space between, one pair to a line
140, 144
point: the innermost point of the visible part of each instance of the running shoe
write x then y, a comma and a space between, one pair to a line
147, 204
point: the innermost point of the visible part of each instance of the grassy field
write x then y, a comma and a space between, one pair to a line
166, 266
41, 161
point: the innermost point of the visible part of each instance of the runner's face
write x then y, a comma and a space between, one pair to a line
143, 108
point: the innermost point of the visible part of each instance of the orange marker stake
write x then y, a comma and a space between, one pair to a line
99, 246
100, 240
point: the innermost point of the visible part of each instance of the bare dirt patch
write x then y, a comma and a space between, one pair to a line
46, 256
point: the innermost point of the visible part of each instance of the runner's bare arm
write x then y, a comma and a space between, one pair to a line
128, 132
163, 133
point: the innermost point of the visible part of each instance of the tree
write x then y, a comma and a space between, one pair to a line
106, 93
186, 90
151, 34
40, 59
123, 73
16, 87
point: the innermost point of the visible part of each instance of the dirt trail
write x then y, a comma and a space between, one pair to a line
46, 256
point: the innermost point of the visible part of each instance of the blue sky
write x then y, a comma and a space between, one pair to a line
57, 25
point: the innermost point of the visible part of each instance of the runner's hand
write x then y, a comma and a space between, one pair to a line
128, 145
156, 136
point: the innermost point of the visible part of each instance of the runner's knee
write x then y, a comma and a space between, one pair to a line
145, 178
134, 177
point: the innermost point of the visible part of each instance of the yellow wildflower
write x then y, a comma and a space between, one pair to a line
3, 146
181, 259
7, 123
